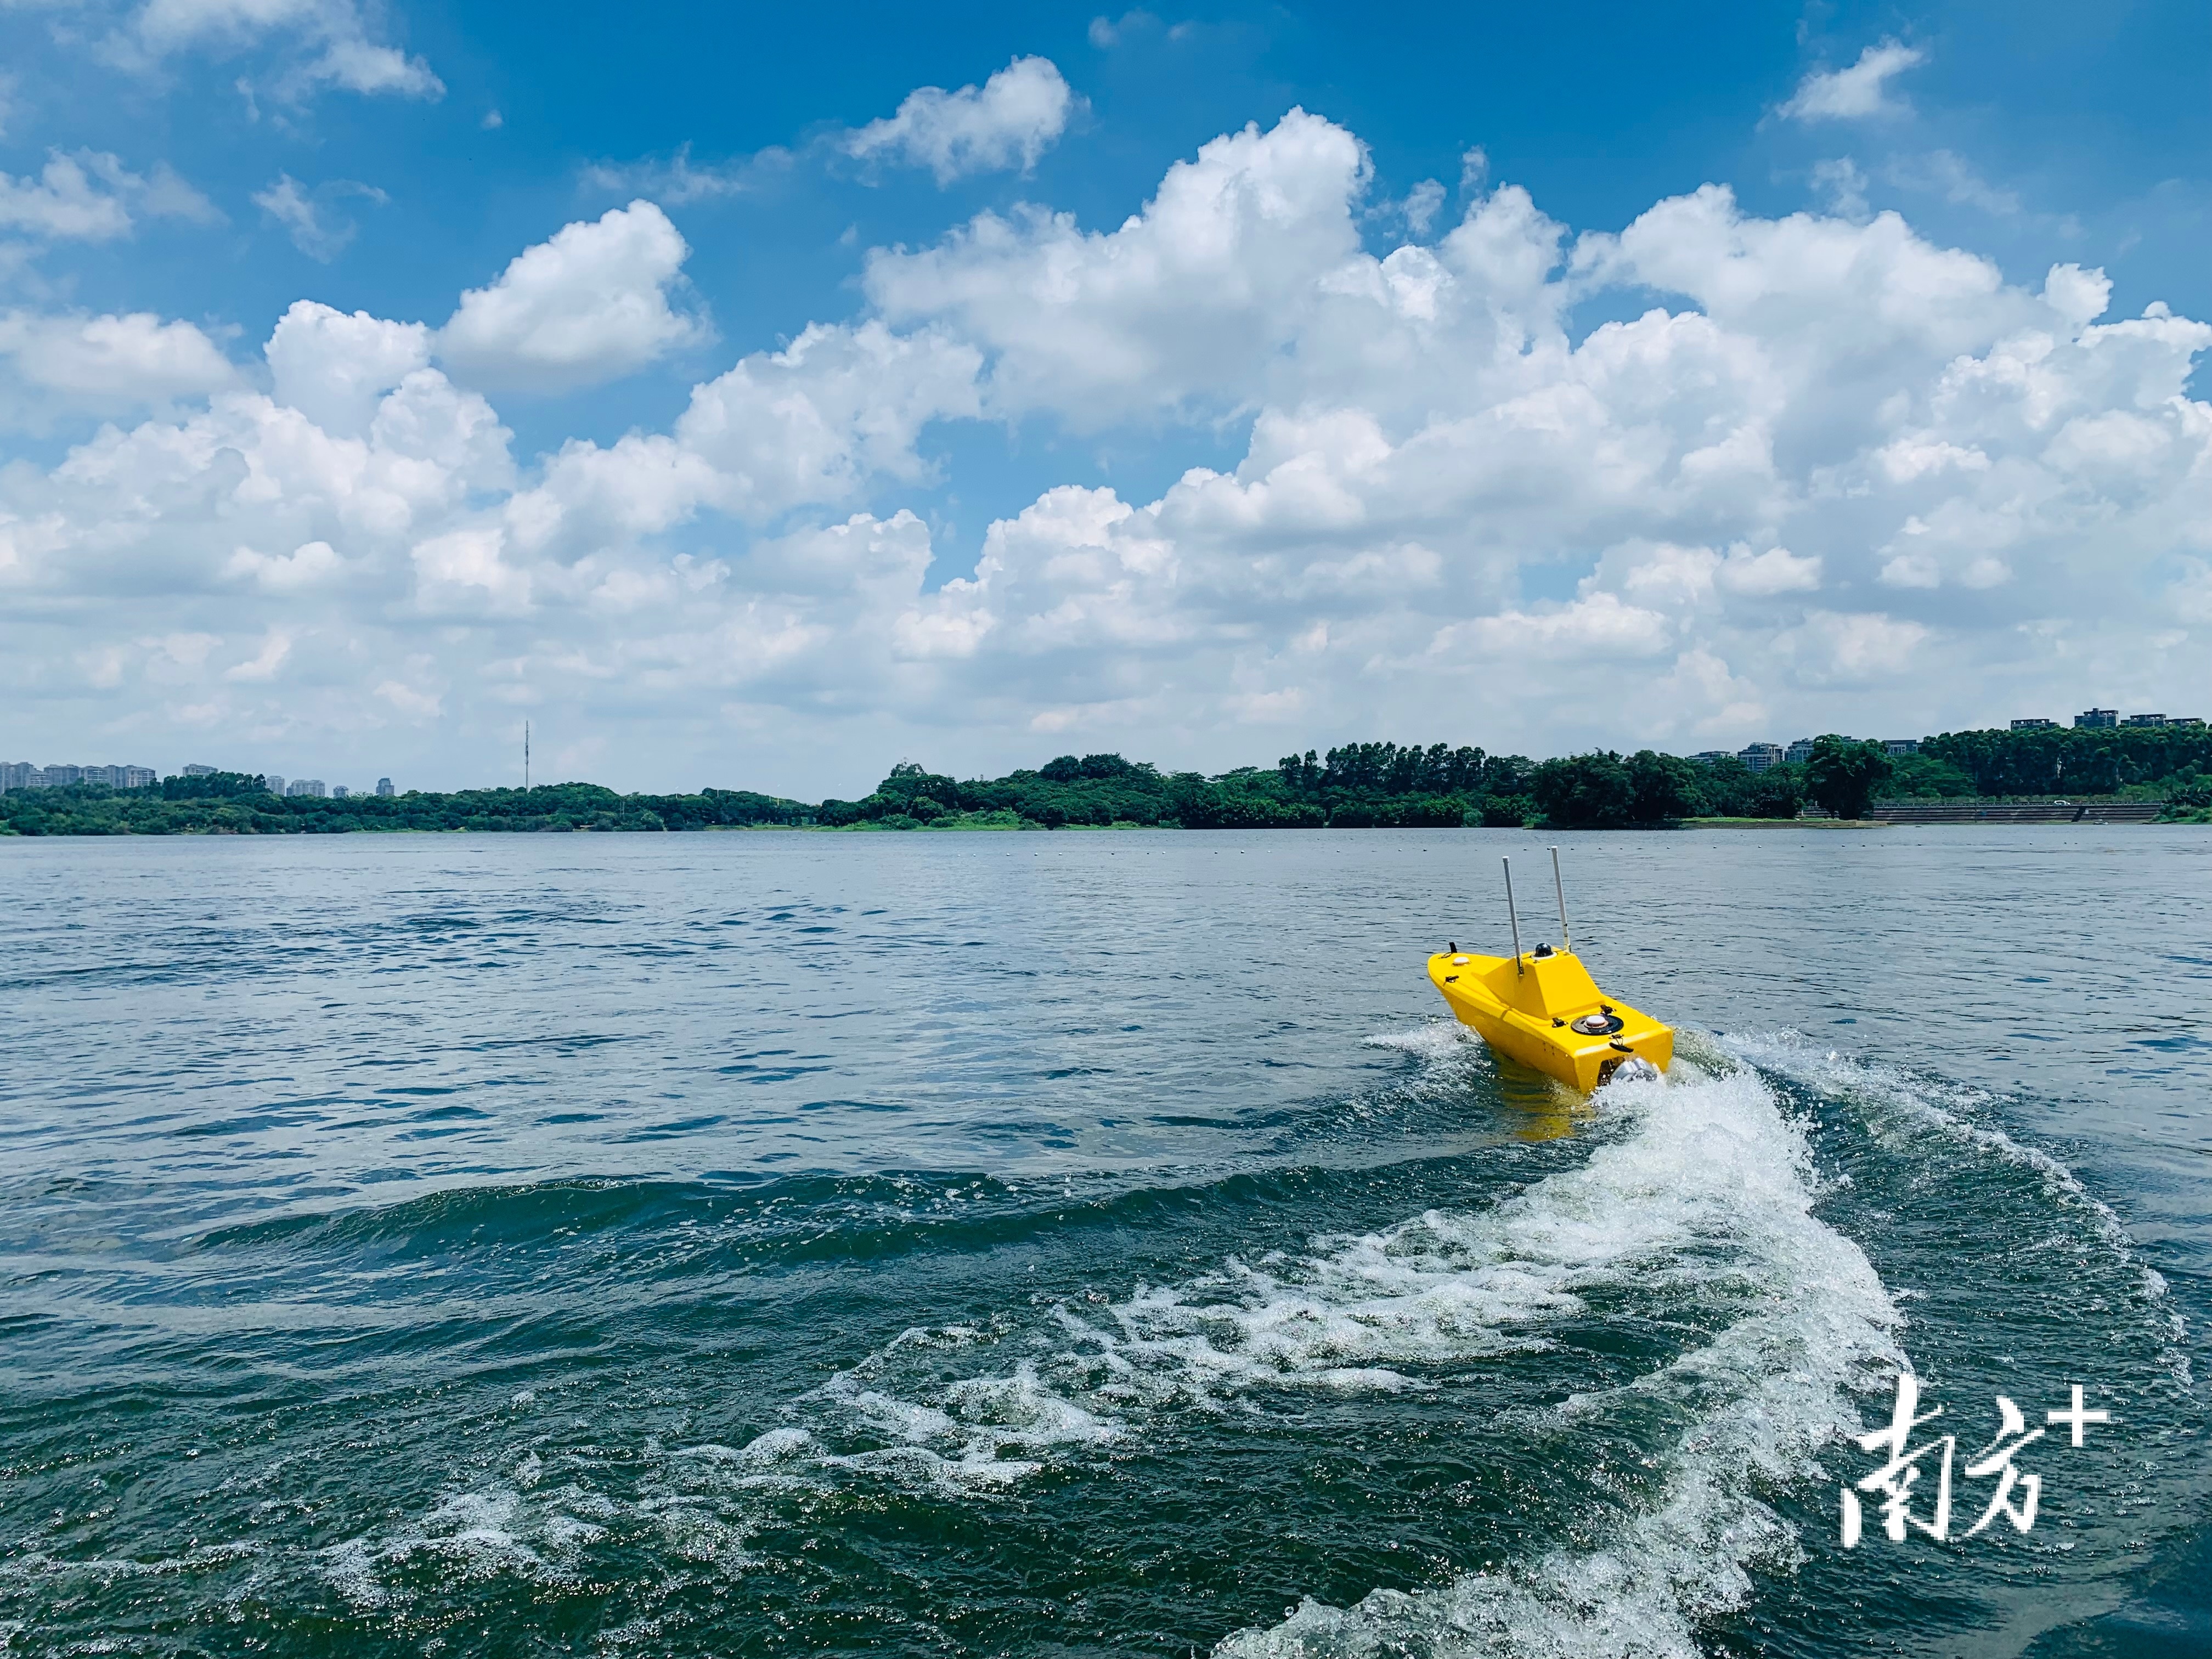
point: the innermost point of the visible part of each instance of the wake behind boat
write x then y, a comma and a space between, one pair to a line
1545, 1010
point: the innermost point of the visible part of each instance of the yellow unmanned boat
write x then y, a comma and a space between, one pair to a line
1544, 1010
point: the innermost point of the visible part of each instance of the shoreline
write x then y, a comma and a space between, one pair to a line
1785, 824
2201, 821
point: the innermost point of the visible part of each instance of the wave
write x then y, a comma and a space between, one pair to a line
1695, 1205
1759, 1400
1706, 1199
1692, 1209
1701, 1203
1931, 1117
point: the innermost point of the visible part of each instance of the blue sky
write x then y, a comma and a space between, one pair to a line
255, 154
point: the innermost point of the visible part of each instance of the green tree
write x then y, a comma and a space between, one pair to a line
1925, 775
1585, 791
1777, 793
1842, 775
1505, 776
2073, 761
1724, 785
214, 785
1664, 787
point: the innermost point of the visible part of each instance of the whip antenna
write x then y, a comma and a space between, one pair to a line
1511, 916
1566, 939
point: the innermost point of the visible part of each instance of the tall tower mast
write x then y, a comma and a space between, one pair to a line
526, 753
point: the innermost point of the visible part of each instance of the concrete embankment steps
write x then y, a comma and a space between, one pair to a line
2055, 811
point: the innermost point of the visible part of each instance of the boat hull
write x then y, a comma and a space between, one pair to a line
1528, 1008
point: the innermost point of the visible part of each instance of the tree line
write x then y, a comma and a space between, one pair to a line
2079, 760
1364, 785
1358, 786
237, 803
1353, 786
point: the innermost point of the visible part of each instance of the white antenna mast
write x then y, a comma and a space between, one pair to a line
1512, 916
1566, 939
526, 755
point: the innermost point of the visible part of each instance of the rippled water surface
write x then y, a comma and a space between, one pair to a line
1089, 1243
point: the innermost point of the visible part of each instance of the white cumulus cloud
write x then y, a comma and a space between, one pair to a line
335, 369
1009, 121
588, 306
53, 365
1189, 300
312, 564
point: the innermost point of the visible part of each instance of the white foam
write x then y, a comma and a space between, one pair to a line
475, 1535
32, 1565
964, 1444
1704, 1161
1442, 1042
776, 1446
350, 1569
1709, 1195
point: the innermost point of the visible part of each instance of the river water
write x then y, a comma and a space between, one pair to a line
1075, 1244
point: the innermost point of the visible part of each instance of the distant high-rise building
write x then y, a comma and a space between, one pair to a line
2185, 720
339, 792
274, 782
21, 775
1799, 752
196, 770
383, 786
2035, 725
305, 787
1759, 756
1900, 745
2144, 719
2098, 717
1707, 756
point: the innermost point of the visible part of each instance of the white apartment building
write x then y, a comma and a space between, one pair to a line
1759, 756
21, 775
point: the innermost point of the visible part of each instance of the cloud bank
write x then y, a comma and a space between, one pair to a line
1837, 476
